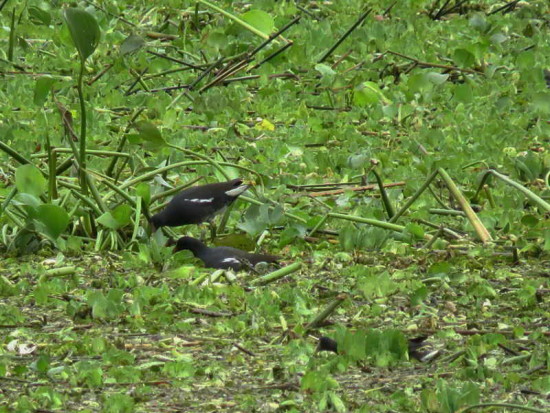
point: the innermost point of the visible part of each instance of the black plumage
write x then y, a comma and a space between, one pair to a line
222, 257
198, 204
327, 344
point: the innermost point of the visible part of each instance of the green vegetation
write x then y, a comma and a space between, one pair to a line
400, 159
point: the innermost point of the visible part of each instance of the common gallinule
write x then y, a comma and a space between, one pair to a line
414, 347
222, 257
198, 204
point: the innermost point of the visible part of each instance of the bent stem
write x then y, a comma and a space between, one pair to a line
534, 198
323, 315
414, 197
465, 205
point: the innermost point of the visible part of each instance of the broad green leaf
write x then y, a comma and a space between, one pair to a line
84, 31
415, 230
325, 70
437, 78
530, 221
131, 44
542, 384
541, 102
418, 296
419, 82
150, 134
463, 93
29, 179
358, 161
107, 220
463, 58
179, 369
478, 21
439, 269
368, 93
255, 220
265, 125
117, 218
28, 199
122, 214
498, 38
217, 39
376, 285
39, 16
119, 402
41, 89
52, 220
143, 190
290, 233
260, 20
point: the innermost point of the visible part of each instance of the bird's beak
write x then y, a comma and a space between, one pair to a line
235, 192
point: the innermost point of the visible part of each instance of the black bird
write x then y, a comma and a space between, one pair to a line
221, 257
327, 344
198, 204
414, 347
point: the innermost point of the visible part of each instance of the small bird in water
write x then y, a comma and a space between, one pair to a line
221, 257
198, 204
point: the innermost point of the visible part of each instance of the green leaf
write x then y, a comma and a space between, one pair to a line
325, 70
150, 134
39, 16
122, 214
28, 199
419, 82
439, 269
463, 58
119, 403
463, 93
368, 93
179, 369
84, 30
290, 233
376, 285
541, 102
41, 89
256, 219
498, 38
542, 384
418, 296
478, 21
260, 20
117, 218
29, 179
530, 221
51, 220
131, 44
217, 39
143, 190
437, 78
358, 161
416, 230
